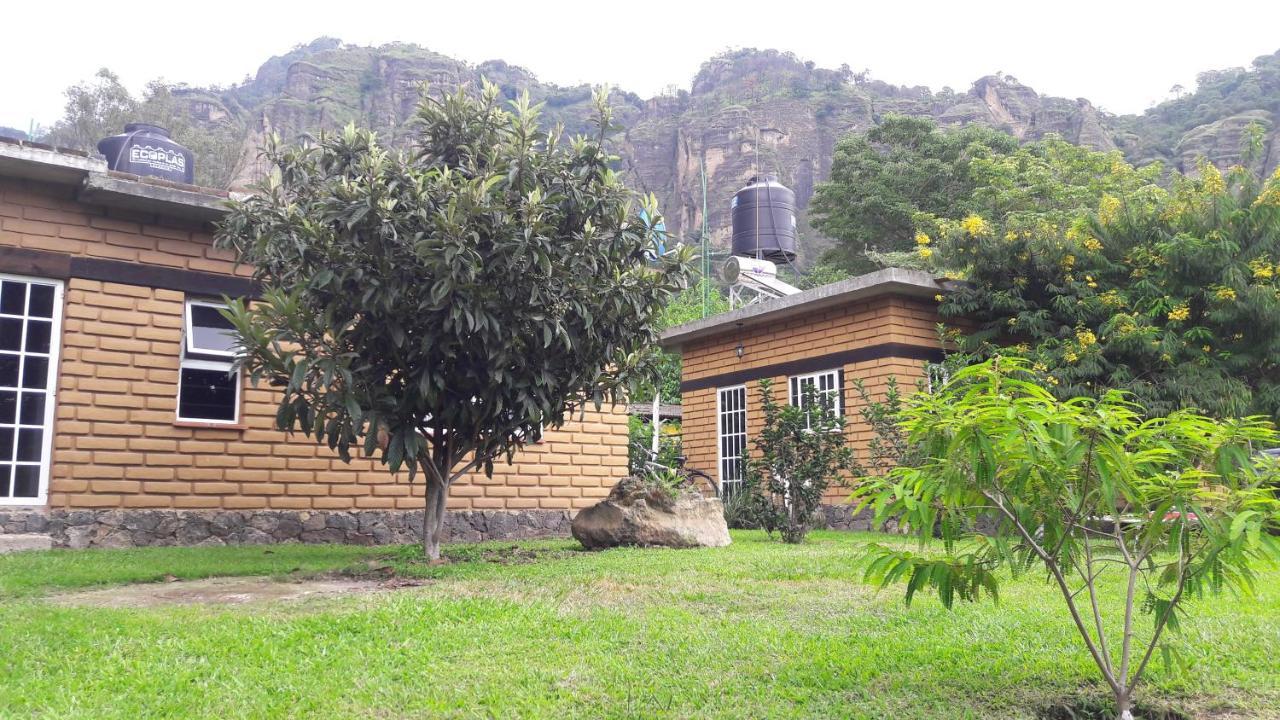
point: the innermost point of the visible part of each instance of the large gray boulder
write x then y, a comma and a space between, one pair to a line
643, 512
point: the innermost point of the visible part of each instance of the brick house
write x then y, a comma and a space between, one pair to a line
119, 423
872, 327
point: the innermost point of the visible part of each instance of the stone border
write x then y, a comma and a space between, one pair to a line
841, 517
139, 528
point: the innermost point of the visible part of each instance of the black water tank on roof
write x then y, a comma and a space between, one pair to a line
145, 149
764, 220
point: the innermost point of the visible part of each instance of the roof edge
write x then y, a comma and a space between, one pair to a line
95, 184
889, 281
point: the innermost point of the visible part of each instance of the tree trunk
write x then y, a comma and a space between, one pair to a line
433, 518
1124, 705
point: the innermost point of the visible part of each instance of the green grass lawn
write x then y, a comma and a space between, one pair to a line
758, 629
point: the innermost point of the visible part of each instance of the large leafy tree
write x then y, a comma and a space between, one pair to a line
881, 179
1090, 267
1088, 490
438, 308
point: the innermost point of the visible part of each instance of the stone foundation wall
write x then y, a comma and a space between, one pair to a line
841, 517
137, 528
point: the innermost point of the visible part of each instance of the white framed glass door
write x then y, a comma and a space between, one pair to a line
30, 333
731, 437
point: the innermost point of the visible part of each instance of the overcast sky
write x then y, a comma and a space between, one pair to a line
1124, 56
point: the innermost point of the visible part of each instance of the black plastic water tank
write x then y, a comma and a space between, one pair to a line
145, 149
764, 220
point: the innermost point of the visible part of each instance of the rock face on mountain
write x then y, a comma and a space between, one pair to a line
747, 111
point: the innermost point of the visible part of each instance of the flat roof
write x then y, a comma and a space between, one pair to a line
97, 185
890, 281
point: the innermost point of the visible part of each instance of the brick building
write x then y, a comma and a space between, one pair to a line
871, 327
119, 423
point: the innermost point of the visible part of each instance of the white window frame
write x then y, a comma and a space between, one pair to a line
188, 330
51, 390
795, 388
201, 362
721, 435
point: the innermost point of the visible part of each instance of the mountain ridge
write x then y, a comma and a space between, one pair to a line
745, 111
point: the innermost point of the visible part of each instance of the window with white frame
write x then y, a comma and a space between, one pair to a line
30, 328
829, 386
731, 437
208, 383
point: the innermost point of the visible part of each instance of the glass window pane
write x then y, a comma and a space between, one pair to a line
8, 370
32, 408
26, 481
207, 395
30, 444
41, 301
210, 332
6, 475
35, 372
13, 298
38, 334
6, 444
10, 334
8, 406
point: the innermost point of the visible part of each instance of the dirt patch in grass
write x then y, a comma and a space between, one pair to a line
222, 591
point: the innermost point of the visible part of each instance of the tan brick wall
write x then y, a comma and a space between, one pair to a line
117, 442
883, 320
46, 217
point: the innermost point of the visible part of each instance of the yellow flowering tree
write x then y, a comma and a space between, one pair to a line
1120, 277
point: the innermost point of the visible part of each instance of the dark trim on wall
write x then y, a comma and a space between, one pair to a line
60, 266
21, 261
166, 278
815, 364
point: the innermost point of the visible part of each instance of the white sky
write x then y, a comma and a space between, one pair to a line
1122, 55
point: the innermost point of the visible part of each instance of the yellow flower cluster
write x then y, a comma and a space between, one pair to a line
1111, 298
922, 239
1270, 194
1052, 380
1092, 244
1068, 262
1211, 179
925, 252
1261, 268
1070, 356
1180, 313
1088, 279
937, 298
1010, 236
975, 226
1108, 209
1086, 337
1225, 294
1040, 367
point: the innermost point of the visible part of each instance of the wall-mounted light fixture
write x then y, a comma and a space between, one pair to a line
740, 350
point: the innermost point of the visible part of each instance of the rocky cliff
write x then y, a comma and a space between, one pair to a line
745, 111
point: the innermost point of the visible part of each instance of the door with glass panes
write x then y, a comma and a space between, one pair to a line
30, 324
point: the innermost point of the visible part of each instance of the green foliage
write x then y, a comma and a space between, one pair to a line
880, 180
1088, 267
437, 309
888, 446
1081, 488
702, 297
799, 452
640, 442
